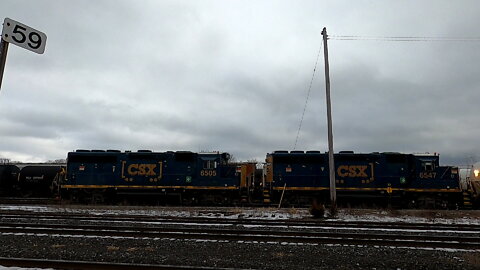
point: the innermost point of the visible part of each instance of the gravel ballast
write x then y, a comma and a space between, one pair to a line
240, 254
232, 254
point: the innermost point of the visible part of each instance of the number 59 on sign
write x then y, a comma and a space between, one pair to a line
23, 36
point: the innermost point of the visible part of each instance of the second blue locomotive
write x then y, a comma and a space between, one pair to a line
408, 180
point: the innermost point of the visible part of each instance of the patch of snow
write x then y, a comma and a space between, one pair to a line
408, 216
22, 268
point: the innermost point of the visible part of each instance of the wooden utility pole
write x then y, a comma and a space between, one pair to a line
331, 163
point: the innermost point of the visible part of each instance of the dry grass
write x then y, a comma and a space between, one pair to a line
429, 215
237, 210
347, 211
394, 212
281, 255
293, 211
472, 259
113, 248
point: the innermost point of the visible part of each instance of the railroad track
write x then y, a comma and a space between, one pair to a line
251, 235
28, 201
61, 227
195, 221
60, 264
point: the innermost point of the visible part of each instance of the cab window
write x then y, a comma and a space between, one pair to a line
209, 164
428, 166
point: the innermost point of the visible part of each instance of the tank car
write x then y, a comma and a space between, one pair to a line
40, 180
30, 180
8, 180
472, 183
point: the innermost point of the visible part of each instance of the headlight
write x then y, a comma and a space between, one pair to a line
476, 172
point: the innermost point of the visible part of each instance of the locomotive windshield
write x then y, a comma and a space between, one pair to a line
209, 164
428, 166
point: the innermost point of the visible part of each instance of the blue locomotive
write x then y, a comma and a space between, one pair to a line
289, 178
409, 180
183, 176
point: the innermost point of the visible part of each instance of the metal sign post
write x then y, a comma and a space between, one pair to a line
21, 35
3, 59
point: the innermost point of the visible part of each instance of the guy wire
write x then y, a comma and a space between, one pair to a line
308, 95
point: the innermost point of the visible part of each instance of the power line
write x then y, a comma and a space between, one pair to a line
406, 38
308, 95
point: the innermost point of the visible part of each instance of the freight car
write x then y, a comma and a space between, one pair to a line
405, 180
40, 180
30, 180
182, 176
8, 179
472, 183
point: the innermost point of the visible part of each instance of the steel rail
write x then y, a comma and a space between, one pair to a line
29, 201
290, 223
87, 265
434, 241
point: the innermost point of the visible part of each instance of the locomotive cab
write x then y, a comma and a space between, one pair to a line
430, 175
435, 186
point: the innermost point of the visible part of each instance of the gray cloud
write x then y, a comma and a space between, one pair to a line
233, 77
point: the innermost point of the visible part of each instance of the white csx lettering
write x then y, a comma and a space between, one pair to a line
142, 169
352, 171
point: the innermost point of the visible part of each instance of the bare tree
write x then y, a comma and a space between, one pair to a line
57, 161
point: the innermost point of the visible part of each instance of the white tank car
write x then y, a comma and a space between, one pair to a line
474, 179
464, 177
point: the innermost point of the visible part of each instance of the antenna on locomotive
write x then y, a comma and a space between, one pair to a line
331, 163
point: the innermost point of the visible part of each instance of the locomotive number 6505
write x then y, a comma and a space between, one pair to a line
208, 173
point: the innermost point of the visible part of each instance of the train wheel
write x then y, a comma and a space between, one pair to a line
426, 202
317, 209
412, 204
97, 198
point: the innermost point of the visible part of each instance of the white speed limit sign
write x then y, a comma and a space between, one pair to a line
23, 36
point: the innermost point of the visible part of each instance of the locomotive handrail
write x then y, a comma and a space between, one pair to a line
445, 172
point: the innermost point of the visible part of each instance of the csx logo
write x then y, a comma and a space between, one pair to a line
142, 169
352, 171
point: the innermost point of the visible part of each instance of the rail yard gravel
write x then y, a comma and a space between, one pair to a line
234, 255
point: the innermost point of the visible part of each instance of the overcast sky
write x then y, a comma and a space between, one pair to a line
233, 76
